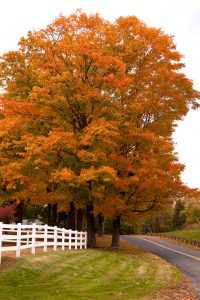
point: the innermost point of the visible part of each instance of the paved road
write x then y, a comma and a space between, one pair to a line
186, 259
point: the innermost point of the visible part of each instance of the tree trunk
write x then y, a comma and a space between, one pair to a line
19, 211
157, 229
115, 233
91, 237
72, 216
100, 224
54, 215
49, 215
62, 219
79, 217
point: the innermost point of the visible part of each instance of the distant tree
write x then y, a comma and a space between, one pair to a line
193, 214
159, 221
178, 217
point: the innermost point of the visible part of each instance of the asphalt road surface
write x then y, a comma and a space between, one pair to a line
186, 259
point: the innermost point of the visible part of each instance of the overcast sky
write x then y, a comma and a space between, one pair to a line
180, 18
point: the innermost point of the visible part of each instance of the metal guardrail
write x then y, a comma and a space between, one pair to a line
176, 238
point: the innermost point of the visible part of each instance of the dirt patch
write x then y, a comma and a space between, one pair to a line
105, 241
6, 262
9, 257
142, 269
43, 257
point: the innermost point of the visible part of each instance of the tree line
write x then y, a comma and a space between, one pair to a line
183, 214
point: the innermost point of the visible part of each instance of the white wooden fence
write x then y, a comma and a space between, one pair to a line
15, 237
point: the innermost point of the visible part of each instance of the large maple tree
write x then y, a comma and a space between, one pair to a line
88, 110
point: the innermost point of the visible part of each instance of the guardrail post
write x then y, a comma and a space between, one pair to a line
18, 240
1, 233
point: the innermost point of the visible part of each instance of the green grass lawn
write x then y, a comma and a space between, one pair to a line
192, 234
85, 274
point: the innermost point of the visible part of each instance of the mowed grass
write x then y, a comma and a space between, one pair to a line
192, 234
86, 274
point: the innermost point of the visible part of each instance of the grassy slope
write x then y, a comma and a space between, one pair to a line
192, 234
90, 274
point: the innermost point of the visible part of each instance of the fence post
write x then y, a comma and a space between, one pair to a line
63, 238
33, 238
18, 240
76, 237
81, 239
70, 239
55, 239
1, 233
27, 237
85, 245
45, 237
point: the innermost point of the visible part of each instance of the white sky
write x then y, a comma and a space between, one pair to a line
180, 18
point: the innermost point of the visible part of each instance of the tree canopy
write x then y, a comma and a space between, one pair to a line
87, 114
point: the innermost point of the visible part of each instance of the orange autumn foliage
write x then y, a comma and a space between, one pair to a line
88, 111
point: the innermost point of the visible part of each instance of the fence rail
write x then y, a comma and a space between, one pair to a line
177, 238
15, 237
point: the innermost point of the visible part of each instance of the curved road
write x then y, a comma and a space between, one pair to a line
186, 259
